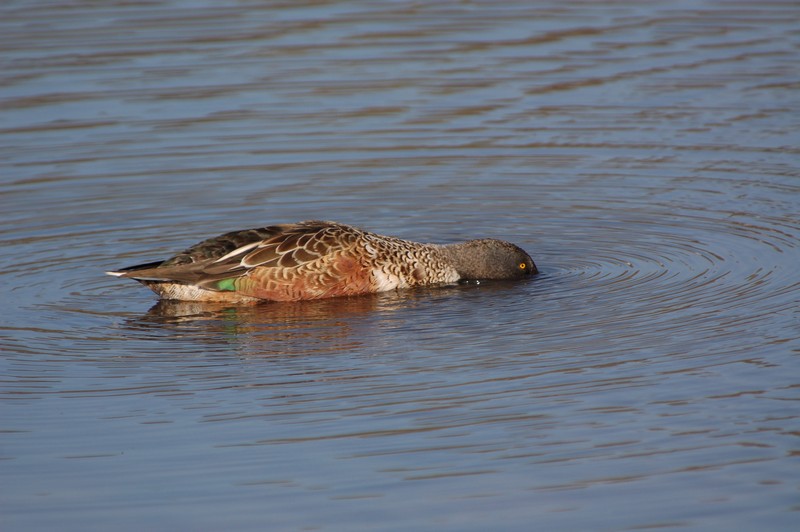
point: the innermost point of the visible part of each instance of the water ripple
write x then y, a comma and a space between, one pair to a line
646, 156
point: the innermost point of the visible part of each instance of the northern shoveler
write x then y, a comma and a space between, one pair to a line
315, 259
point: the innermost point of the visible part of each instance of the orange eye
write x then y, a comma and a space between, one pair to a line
522, 265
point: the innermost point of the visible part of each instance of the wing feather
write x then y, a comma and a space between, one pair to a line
267, 261
265, 255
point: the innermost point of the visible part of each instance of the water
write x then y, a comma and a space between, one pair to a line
645, 155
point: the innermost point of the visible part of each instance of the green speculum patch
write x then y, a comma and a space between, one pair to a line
226, 284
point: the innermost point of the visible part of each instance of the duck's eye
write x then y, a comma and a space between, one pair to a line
522, 265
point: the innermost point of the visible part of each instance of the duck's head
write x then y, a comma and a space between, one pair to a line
489, 258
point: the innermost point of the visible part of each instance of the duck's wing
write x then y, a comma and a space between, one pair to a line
212, 263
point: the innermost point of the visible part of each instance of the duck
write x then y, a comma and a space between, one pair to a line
317, 259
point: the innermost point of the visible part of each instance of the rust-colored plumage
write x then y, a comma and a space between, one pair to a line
314, 259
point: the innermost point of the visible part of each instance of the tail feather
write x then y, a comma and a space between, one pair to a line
130, 271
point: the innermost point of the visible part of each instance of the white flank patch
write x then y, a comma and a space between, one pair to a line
386, 281
116, 274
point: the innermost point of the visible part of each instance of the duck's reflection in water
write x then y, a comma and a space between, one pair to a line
280, 328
